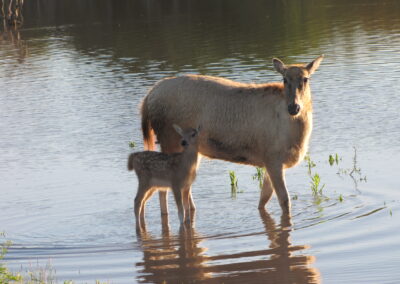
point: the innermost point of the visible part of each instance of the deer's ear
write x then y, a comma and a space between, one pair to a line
313, 66
178, 129
279, 66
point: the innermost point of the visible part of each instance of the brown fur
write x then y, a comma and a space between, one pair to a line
243, 123
148, 133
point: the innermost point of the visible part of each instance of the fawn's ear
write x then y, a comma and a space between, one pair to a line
178, 129
313, 66
279, 66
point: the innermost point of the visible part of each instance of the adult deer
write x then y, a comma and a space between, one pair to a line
265, 125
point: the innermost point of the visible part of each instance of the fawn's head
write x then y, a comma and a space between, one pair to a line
188, 136
296, 82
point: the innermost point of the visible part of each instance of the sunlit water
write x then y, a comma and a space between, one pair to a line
70, 88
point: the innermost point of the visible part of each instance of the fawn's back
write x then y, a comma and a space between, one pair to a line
159, 169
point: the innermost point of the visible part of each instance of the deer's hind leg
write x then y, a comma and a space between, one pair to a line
266, 191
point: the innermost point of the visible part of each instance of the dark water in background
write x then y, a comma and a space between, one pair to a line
72, 78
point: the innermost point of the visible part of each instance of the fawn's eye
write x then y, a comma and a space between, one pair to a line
305, 80
194, 134
285, 80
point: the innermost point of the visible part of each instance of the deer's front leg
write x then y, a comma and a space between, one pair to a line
277, 176
187, 200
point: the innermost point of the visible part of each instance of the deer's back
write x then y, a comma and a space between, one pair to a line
240, 122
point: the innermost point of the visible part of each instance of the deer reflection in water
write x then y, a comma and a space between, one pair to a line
182, 258
172, 259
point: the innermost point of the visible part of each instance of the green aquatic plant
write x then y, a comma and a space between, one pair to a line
45, 275
310, 163
259, 175
234, 183
334, 159
316, 186
6, 276
233, 178
132, 144
340, 198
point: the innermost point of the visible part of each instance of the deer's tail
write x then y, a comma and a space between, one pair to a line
149, 140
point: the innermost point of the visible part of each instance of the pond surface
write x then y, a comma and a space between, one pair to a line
71, 82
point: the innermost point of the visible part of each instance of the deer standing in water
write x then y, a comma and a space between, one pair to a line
264, 125
160, 171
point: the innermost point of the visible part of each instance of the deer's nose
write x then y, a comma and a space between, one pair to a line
293, 109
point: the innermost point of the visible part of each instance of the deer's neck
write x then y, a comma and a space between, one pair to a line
189, 158
299, 137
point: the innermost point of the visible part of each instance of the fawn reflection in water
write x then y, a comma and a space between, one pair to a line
182, 258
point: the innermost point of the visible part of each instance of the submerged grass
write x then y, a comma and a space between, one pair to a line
132, 144
6, 276
259, 175
315, 182
234, 183
334, 159
316, 186
39, 275
310, 163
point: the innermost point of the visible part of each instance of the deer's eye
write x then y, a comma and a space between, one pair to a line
194, 134
285, 80
305, 80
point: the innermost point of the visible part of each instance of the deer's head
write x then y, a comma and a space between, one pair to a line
296, 80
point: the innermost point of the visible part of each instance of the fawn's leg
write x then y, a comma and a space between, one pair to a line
140, 196
191, 202
146, 197
179, 202
187, 203
266, 191
163, 196
169, 143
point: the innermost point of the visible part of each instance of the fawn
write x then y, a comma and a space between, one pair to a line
160, 171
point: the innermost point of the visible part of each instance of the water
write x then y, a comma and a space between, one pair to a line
71, 81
